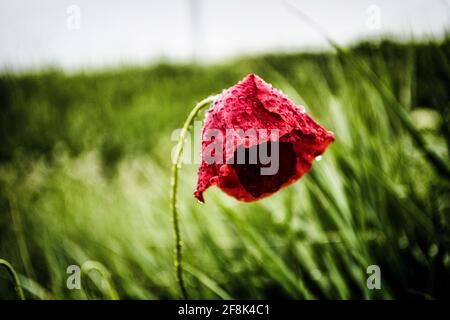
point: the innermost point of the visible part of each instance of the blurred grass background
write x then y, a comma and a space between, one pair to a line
85, 165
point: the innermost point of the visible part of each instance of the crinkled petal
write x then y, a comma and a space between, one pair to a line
254, 104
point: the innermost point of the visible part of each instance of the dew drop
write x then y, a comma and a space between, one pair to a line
318, 158
224, 171
213, 180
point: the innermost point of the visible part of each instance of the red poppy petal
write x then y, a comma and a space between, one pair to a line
254, 104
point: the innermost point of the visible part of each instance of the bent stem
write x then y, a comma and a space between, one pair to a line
15, 278
173, 192
107, 285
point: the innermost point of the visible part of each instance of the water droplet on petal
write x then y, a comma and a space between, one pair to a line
213, 180
224, 170
318, 158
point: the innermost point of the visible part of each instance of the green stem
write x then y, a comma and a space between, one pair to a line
107, 285
173, 192
14, 276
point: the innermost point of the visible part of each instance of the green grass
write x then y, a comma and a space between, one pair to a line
85, 176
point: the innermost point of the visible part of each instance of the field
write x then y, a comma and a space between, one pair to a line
85, 180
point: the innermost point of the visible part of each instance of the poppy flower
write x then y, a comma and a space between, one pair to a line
249, 117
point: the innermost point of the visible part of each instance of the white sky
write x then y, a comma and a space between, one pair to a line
38, 33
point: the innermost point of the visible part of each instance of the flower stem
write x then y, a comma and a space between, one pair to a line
15, 278
173, 192
107, 285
